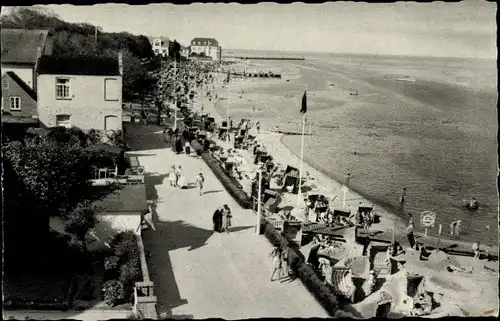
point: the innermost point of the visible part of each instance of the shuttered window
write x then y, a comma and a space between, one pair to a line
111, 90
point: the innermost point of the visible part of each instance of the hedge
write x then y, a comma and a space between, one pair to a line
303, 270
230, 184
123, 266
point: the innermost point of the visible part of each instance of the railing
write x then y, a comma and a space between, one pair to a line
105, 176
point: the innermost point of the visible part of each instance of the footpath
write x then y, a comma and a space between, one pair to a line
198, 273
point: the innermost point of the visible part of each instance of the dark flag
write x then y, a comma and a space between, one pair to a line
303, 109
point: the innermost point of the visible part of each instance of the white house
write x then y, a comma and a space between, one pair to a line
80, 91
21, 49
208, 47
160, 45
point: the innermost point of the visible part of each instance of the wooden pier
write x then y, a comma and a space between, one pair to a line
267, 58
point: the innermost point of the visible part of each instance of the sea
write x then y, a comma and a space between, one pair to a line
427, 124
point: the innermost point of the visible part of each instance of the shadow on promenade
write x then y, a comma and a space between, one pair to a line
168, 236
144, 137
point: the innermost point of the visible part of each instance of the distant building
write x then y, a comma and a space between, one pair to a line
185, 51
21, 49
81, 91
160, 45
208, 47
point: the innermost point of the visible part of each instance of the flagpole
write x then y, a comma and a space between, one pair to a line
228, 100
301, 157
175, 93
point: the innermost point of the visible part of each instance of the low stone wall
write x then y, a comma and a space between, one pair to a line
145, 300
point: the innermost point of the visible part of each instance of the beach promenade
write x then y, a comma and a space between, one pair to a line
198, 273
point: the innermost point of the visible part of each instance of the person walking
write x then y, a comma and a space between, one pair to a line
409, 234
276, 256
199, 182
457, 229
217, 220
178, 174
172, 176
226, 218
187, 148
452, 228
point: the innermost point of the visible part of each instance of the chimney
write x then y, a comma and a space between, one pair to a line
38, 55
120, 62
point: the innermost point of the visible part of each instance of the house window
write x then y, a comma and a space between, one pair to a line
157, 51
63, 121
62, 88
5, 83
164, 50
15, 103
111, 89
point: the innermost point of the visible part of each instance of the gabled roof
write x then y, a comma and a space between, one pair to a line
79, 65
165, 40
21, 84
212, 41
20, 45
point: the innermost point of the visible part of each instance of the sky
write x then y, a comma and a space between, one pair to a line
463, 29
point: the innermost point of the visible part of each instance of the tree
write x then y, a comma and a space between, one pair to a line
55, 175
174, 49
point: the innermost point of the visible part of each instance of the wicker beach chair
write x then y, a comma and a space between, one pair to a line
342, 283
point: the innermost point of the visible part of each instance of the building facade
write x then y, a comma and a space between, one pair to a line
21, 49
208, 47
84, 92
160, 45
18, 99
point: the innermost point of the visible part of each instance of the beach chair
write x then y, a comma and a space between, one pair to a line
342, 283
380, 258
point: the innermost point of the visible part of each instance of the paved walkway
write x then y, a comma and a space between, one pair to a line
201, 274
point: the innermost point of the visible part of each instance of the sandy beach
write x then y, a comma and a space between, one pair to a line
475, 276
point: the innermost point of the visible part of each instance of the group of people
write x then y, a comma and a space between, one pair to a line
176, 177
222, 219
280, 263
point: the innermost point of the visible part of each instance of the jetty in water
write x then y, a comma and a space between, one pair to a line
267, 58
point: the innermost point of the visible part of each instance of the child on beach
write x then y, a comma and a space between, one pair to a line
475, 248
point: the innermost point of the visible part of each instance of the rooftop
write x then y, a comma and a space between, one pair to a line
20, 45
22, 84
79, 65
129, 198
211, 41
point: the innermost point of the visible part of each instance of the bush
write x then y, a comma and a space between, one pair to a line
80, 220
124, 246
111, 263
231, 185
130, 273
94, 136
113, 292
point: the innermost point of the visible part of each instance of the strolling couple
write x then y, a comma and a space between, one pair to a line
176, 177
280, 260
222, 219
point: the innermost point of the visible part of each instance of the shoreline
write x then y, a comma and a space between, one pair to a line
333, 187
